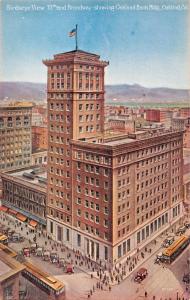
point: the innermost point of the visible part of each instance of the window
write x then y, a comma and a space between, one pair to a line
105, 252
106, 223
8, 292
119, 251
78, 240
51, 227
67, 235
97, 219
59, 233
138, 237
97, 207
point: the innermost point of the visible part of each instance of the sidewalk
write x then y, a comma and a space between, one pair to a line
97, 270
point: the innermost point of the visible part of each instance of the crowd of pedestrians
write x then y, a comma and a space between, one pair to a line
106, 273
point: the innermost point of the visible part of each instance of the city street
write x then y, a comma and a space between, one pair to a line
162, 282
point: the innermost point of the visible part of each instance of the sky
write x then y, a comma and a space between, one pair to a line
145, 41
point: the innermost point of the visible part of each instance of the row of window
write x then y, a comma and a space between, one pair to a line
150, 229
88, 118
154, 180
60, 129
90, 128
68, 66
155, 149
152, 213
93, 157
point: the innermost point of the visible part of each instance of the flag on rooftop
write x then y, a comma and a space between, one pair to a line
72, 32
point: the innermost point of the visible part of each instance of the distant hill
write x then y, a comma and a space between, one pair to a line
137, 93
23, 91
114, 93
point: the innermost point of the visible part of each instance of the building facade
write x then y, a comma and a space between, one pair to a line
39, 137
107, 194
160, 115
25, 194
39, 158
15, 136
10, 273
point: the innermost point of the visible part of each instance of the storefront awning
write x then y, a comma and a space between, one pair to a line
3, 208
33, 223
21, 217
12, 211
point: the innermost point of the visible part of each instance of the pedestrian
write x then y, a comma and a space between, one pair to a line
145, 294
109, 288
91, 292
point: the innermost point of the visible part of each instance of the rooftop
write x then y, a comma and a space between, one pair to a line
114, 141
31, 175
8, 266
4, 268
78, 52
16, 105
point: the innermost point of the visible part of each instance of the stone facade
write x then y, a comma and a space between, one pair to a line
25, 197
15, 136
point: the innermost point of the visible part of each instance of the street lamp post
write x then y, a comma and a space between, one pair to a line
177, 296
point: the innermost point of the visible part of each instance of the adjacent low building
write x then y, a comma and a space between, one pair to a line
24, 193
15, 136
39, 157
39, 137
10, 272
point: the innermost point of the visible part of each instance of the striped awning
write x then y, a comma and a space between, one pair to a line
33, 223
3, 208
12, 211
21, 217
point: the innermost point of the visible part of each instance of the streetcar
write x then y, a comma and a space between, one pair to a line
4, 239
170, 254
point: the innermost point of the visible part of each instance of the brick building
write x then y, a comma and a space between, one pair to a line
39, 137
15, 136
185, 112
107, 194
160, 115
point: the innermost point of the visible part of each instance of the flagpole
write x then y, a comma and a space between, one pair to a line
76, 38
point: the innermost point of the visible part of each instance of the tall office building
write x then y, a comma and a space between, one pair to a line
108, 194
15, 136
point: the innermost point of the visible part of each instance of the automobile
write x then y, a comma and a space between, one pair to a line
186, 278
168, 241
33, 248
16, 237
69, 268
187, 225
26, 252
10, 233
159, 256
46, 256
54, 257
62, 262
141, 275
181, 230
39, 251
